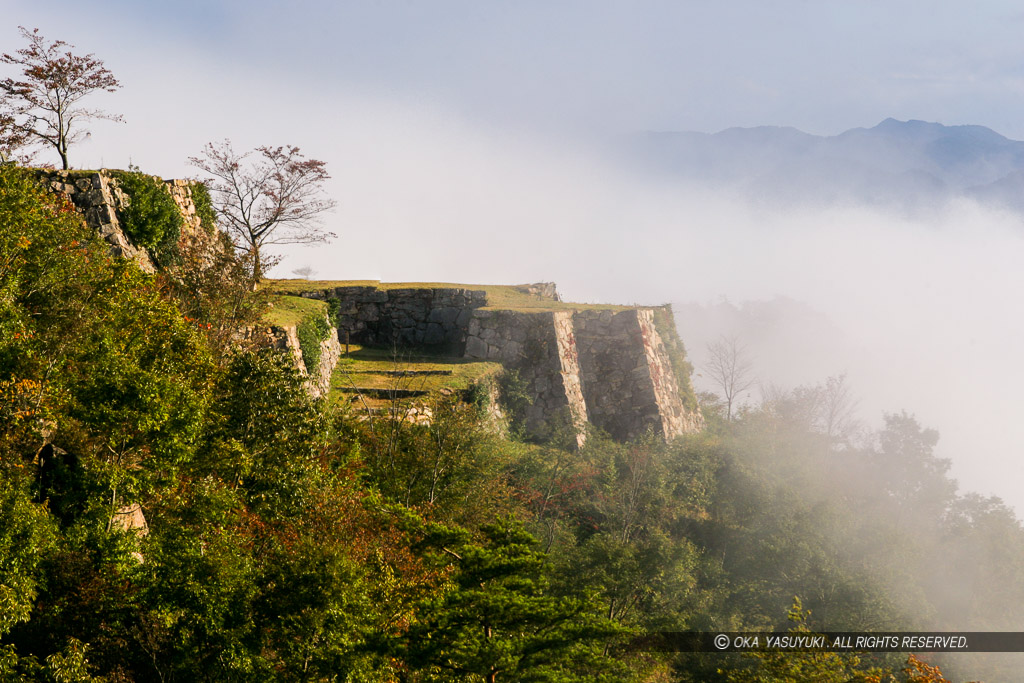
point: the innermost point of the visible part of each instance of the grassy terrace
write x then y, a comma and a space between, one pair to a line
499, 297
377, 375
372, 378
286, 311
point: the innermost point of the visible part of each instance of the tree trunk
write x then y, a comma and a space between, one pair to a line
257, 268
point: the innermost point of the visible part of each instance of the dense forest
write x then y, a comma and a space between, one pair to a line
298, 540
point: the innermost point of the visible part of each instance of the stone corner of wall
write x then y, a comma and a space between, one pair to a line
285, 338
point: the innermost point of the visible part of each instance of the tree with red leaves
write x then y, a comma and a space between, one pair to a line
42, 107
267, 196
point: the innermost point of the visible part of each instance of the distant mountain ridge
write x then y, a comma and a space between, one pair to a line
911, 164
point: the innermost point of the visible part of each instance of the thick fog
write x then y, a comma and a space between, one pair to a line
920, 310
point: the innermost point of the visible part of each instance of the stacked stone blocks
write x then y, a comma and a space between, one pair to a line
540, 347
432, 319
608, 368
286, 339
629, 382
97, 197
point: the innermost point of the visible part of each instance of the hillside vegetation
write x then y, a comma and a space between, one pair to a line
297, 540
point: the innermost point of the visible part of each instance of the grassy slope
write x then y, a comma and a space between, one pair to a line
289, 311
380, 369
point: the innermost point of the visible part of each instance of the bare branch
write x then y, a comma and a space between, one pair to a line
730, 369
267, 196
41, 108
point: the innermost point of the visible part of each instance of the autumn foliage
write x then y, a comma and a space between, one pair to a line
42, 106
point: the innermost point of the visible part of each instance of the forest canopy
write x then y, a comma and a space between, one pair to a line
293, 539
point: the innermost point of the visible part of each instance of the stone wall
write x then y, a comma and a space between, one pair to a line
541, 348
97, 198
670, 372
435, 319
286, 338
609, 368
628, 380
541, 290
319, 381
606, 367
620, 395
181, 192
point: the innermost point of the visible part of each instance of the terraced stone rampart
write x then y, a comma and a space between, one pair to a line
628, 381
541, 347
435, 319
607, 367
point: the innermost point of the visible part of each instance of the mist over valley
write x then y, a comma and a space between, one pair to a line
356, 447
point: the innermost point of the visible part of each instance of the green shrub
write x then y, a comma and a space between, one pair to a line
204, 207
514, 398
664, 323
152, 218
311, 332
333, 308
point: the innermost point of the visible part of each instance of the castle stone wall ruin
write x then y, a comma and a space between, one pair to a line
97, 198
541, 348
631, 386
433, 319
606, 367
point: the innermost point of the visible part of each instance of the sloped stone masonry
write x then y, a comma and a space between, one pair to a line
435, 320
609, 368
286, 338
542, 349
621, 398
675, 418
97, 198
181, 192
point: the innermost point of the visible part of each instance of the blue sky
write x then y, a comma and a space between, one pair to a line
597, 66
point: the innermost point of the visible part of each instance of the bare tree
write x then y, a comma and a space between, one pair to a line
729, 368
268, 196
42, 107
838, 410
305, 272
828, 408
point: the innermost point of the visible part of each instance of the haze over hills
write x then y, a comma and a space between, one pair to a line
910, 165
